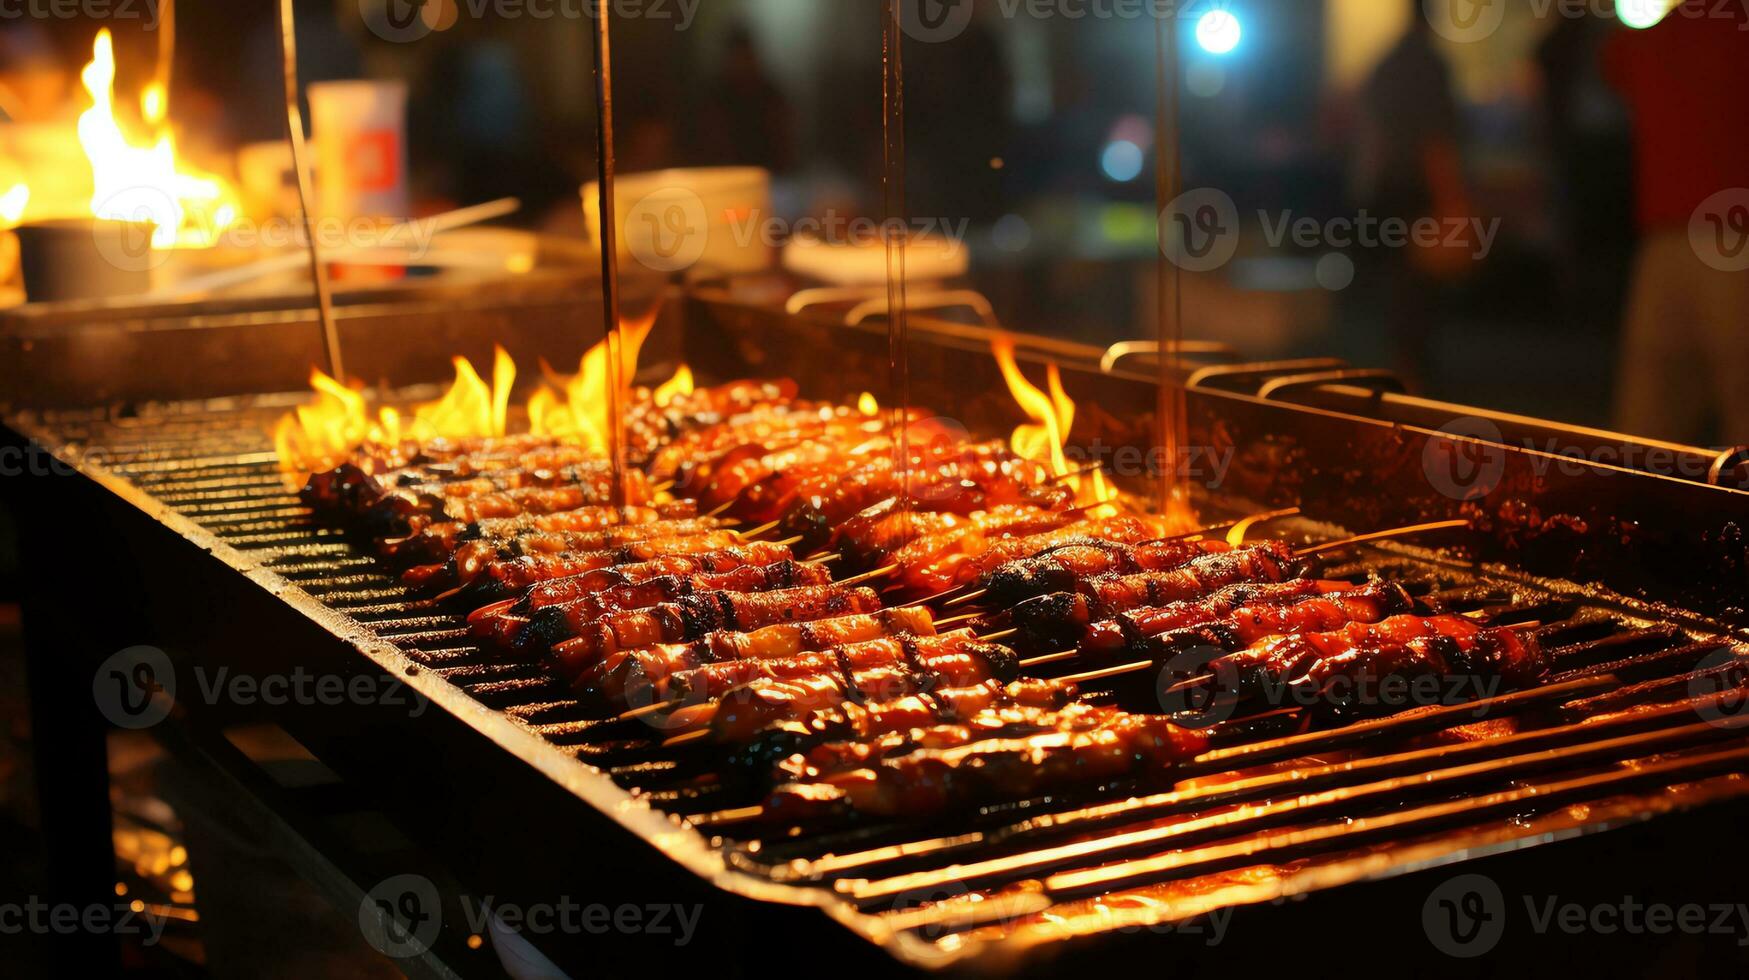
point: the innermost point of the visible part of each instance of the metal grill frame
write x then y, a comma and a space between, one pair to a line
320, 637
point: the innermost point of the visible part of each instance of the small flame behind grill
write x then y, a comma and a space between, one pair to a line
1053, 415
320, 434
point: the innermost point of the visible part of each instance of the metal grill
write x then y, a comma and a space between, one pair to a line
1629, 727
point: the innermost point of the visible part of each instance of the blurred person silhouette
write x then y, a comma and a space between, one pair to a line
1409, 166
745, 120
1685, 350
1590, 155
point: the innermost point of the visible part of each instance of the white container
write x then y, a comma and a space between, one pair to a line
359, 129
709, 219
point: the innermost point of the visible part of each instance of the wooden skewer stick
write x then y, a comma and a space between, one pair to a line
1050, 658
663, 487
288, 49
869, 576
646, 711
720, 510
786, 542
1246, 523
822, 559
1315, 743
1396, 532
955, 620
1083, 471
754, 532
1243, 527
687, 739
999, 637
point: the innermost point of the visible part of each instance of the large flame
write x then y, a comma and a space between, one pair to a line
582, 414
12, 205
1053, 415
319, 435
144, 181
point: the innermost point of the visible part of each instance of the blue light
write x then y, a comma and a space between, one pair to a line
1219, 31
1121, 161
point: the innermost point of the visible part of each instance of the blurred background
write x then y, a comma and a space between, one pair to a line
1511, 127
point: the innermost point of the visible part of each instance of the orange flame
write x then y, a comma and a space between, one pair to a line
144, 181
867, 405
319, 435
582, 415
1053, 415
678, 386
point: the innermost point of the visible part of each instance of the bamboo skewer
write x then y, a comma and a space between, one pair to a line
294, 120
1396, 532
1501, 770
1315, 743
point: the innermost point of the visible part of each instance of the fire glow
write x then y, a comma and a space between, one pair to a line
144, 181
1053, 415
321, 434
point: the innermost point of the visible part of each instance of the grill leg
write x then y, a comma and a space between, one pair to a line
67, 731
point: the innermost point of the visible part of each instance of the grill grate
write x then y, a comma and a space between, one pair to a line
1056, 867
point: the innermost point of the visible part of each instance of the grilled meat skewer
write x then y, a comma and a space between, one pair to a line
694, 616
640, 670
929, 781
532, 635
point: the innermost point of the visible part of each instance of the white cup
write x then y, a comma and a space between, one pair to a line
360, 132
